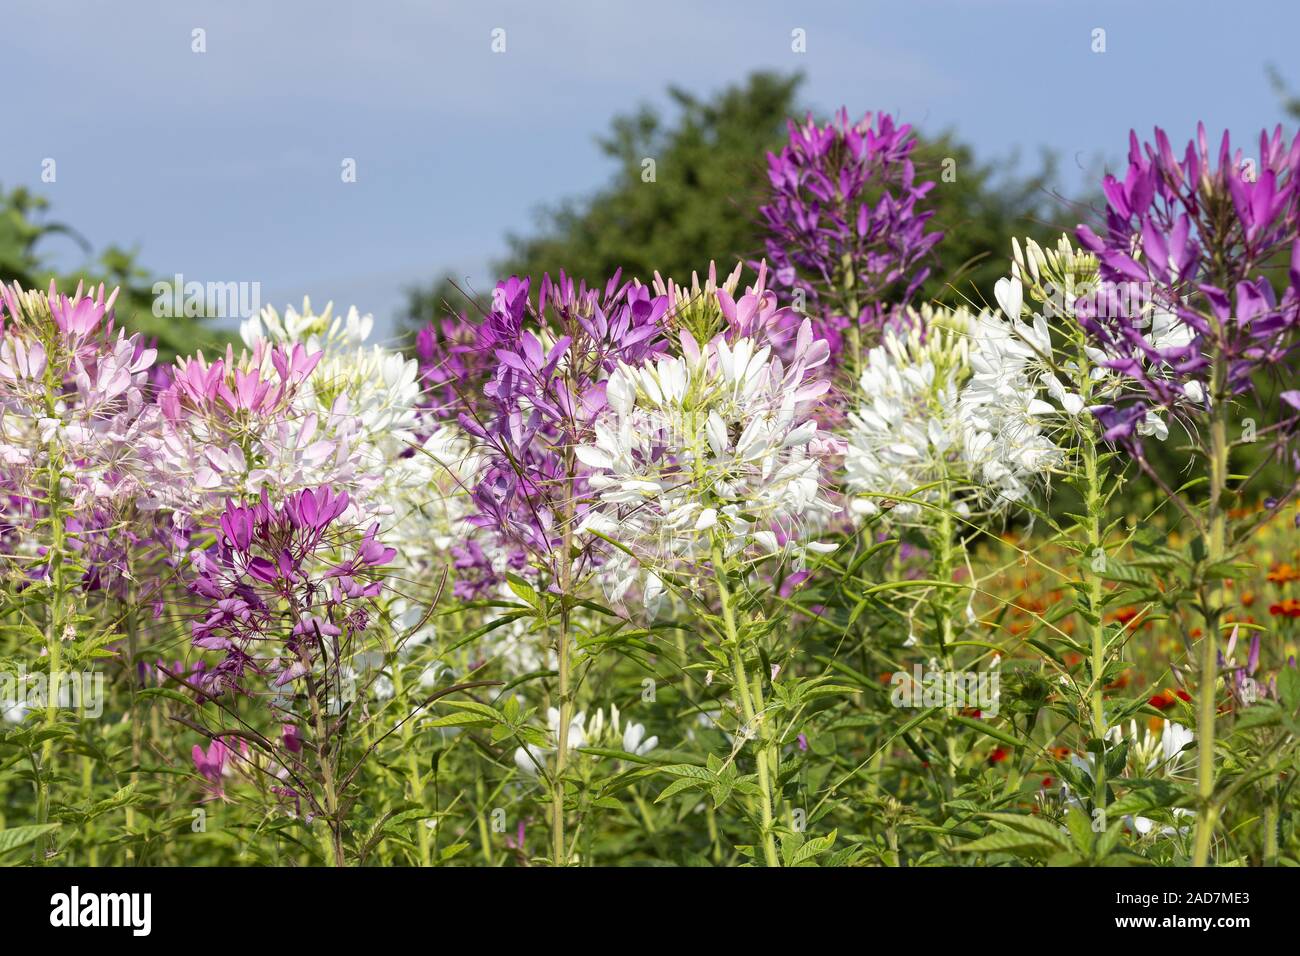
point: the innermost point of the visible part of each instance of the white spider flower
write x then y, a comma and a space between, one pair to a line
1058, 278
636, 742
711, 446
949, 401
1155, 754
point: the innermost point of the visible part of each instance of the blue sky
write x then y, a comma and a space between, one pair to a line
225, 165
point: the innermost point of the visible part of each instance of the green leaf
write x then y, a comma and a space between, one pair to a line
12, 838
814, 848
679, 786
616, 754
985, 728
1009, 841
1288, 687
1037, 826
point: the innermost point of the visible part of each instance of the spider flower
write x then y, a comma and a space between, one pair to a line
74, 401
554, 356
412, 468
717, 443
280, 581
1061, 279
946, 410
242, 423
1191, 244
845, 222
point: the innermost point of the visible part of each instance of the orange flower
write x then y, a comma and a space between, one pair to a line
1132, 618
1283, 574
1119, 682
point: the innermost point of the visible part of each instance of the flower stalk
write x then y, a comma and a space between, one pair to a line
754, 723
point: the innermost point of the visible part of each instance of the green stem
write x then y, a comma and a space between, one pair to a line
137, 731
56, 622
1093, 510
414, 784
1216, 546
747, 710
1270, 832
323, 758
945, 560
558, 854
852, 306
484, 836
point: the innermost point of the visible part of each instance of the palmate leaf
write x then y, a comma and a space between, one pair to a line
1127, 573
12, 838
689, 777
473, 714
1032, 825
679, 786
1010, 841
813, 848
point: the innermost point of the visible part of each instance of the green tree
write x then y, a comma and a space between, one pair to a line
698, 201
1290, 102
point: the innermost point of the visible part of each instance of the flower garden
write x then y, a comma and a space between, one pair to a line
774, 564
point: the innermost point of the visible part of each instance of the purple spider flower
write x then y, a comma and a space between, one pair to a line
276, 590
1187, 311
553, 356
846, 227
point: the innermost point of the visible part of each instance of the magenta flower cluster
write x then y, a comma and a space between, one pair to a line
553, 355
1189, 258
275, 595
845, 220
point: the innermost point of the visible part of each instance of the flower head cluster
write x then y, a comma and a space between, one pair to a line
238, 424
279, 583
554, 356
76, 424
714, 446
845, 223
948, 412
410, 469
1189, 312
1080, 376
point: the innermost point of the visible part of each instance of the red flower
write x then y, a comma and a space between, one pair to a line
1290, 608
1167, 698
